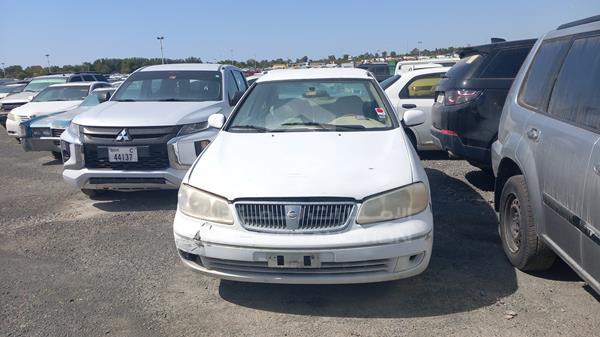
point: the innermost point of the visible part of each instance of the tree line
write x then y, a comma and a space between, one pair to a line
128, 65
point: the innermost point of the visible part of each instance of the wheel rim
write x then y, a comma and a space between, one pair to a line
512, 223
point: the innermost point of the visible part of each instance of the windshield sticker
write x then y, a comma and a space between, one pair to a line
380, 112
172, 76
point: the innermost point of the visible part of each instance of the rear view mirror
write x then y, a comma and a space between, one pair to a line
413, 117
236, 98
216, 120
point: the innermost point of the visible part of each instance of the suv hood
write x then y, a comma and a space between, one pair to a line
44, 108
20, 97
131, 114
304, 164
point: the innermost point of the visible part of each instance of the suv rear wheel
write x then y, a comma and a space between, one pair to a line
520, 241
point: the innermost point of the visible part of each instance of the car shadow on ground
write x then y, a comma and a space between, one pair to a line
481, 179
112, 201
435, 155
52, 162
468, 270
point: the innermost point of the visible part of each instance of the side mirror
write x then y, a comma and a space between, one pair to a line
103, 97
236, 98
216, 121
413, 117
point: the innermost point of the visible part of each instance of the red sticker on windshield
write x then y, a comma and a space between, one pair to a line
172, 76
380, 111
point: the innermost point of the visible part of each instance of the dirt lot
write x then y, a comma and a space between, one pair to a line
71, 266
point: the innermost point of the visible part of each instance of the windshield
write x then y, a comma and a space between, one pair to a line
52, 94
312, 105
11, 88
389, 81
92, 99
37, 85
193, 86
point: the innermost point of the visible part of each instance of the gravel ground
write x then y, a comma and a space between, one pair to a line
72, 266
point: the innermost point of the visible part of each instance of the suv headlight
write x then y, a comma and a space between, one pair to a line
192, 128
74, 130
203, 205
41, 132
399, 203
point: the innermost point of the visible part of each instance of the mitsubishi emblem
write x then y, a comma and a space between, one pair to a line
123, 136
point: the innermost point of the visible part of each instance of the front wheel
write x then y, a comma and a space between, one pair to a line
518, 231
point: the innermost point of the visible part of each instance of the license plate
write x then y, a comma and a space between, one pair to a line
440, 98
122, 154
287, 260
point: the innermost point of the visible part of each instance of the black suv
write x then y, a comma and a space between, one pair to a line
470, 97
380, 70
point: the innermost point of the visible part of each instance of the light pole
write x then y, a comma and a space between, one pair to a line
419, 49
162, 55
3, 71
48, 60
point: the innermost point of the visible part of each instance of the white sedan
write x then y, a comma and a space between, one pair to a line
55, 98
415, 90
311, 180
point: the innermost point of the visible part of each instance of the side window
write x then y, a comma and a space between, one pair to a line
76, 78
100, 78
421, 86
534, 92
88, 78
506, 63
576, 94
239, 79
231, 85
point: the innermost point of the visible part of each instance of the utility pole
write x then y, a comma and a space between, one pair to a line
419, 49
48, 60
3, 71
162, 55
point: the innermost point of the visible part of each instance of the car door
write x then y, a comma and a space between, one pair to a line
590, 243
418, 93
564, 144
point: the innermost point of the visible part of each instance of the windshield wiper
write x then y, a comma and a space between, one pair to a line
172, 100
326, 126
248, 127
126, 100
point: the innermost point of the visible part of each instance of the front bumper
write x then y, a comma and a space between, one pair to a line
13, 128
362, 254
41, 144
123, 180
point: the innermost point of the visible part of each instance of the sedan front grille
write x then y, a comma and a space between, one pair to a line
294, 217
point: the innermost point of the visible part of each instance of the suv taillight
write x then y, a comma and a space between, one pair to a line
453, 97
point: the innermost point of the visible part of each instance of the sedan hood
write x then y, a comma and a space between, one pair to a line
128, 114
44, 108
304, 164
20, 97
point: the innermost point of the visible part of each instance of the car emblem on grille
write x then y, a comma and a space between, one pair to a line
123, 136
292, 216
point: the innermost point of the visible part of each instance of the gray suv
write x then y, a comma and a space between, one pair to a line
547, 157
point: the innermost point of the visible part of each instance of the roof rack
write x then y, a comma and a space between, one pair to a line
579, 22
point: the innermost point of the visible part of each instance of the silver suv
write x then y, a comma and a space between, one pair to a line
547, 157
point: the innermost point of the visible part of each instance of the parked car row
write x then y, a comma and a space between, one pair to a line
311, 175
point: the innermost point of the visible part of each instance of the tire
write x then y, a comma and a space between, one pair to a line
57, 155
518, 231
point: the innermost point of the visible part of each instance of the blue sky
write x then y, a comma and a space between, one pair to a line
76, 31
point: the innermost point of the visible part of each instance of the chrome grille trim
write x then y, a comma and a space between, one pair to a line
314, 217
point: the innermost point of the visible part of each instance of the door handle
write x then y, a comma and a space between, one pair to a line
597, 169
409, 106
533, 134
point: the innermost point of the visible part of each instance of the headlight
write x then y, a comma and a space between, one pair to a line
202, 205
74, 130
396, 204
41, 132
192, 128
11, 116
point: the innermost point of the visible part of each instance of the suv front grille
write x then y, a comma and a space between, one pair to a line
150, 157
293, 216
57, 132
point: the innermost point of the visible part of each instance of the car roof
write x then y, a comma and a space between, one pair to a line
314, 73
425, 71
486, 48
575, 27
104, 89
75, 84
185, 66
52, 76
